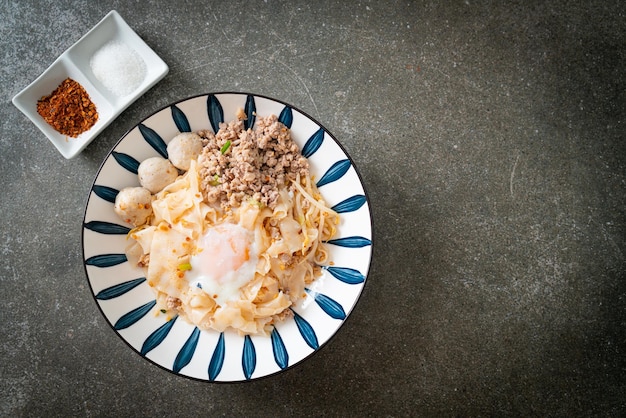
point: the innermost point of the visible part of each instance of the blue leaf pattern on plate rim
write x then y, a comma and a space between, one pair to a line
286, 116
106, 260
306, 324
104, 192
186, 353
217, 359
250, 110
345, 274
157, 336
180, 119
306, 331
119, 289
278, 348
335, 172
126, 161
133, 316
154, 139
350, 204
248, 357
351, 242
107, 228
313, 143
215, 112
328, 305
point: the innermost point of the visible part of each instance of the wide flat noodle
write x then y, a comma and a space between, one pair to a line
178, 219
288, 240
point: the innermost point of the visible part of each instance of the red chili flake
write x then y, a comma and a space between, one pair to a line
68, 109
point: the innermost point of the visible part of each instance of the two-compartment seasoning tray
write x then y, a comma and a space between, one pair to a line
77, 63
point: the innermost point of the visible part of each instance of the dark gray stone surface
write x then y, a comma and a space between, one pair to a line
490, 137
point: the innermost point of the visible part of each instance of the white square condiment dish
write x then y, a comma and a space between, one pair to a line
75, 63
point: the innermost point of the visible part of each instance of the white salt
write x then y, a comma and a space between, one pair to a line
118, 67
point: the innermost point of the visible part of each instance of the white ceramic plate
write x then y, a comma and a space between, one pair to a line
74, 63
128, 303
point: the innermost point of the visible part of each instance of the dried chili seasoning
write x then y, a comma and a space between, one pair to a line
68, 109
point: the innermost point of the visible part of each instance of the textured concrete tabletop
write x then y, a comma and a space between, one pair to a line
491, 139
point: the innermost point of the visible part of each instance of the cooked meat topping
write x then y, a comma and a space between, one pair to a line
173, 303
238, 164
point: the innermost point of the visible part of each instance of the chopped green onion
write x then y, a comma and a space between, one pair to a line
163, 311
255, 203
225, 147
185, 266
215, 181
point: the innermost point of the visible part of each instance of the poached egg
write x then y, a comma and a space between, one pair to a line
226, 260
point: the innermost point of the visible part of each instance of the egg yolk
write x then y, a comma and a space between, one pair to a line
225, 263
224, 250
